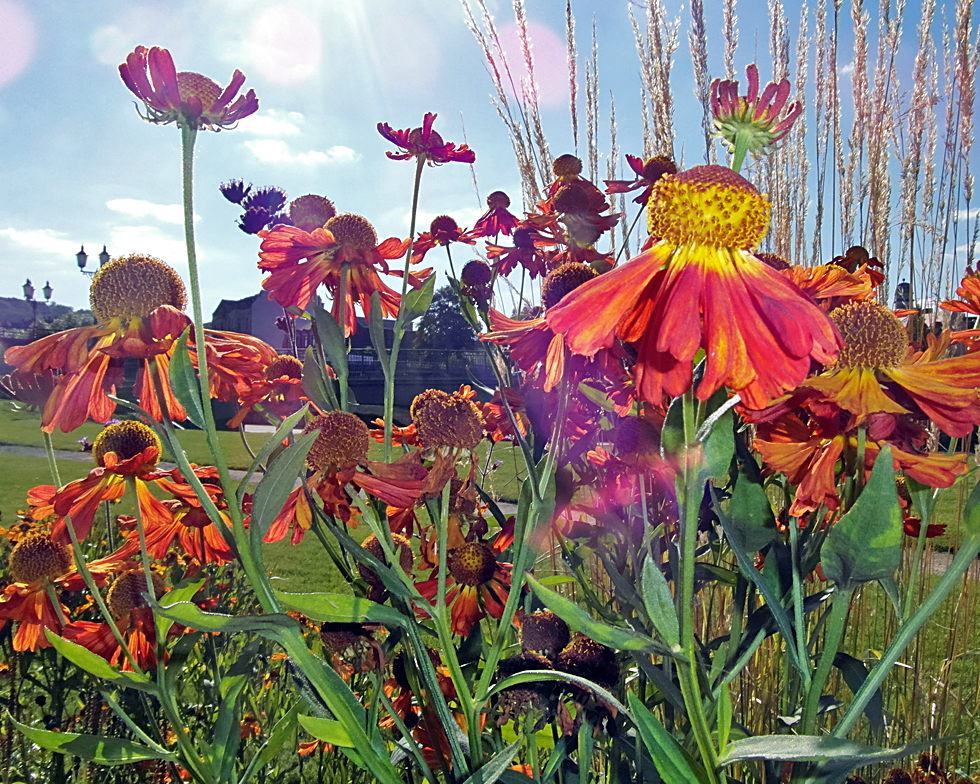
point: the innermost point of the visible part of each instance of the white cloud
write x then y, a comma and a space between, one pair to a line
846, 68
277, 151
272, 123
284, 45
140, 208
150, 240
966, 214
464, 216
43, 240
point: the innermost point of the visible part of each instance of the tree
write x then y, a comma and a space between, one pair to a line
69, 320
443, 325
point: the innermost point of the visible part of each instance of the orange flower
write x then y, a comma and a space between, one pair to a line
133, 617
697, 288
127, 449
186, 98
425, 143
137, 300
477, 584
299, 261
497, 219
38, 563
280, 390
877, 371
831, 285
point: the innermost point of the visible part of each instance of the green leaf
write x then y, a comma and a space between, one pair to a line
95, 748
277, 484
580, 620
316, 384
341, 608
660, 603
332, 339
495, 766
855, 674
287, 426
184, 381
95, 665
603, 400
281, 732
672, 435
182, 592
815, 748
971, 513
376, 330
327, 730
752, 520
417, 301
724, 716
671, 761
866, 543
719, 446
227, 737
271, 625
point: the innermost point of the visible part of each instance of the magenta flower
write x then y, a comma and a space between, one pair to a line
752, 122
187, 98
424, 143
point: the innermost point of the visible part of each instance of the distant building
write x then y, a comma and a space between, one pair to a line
18, 313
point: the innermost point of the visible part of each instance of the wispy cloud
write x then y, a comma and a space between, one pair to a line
150, 240
847, 68
277, 151
43, 240
140, 208
967, 214
272, 123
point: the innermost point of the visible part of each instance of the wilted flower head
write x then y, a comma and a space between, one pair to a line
187, 98
424, 143
752, 122
235, 190
311, 211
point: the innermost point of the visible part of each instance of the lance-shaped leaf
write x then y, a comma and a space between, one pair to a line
752, 520
659, 603
341, 608
95, 748
184, 383
672, 763
332, 339
95, 665
277, 484
866, 543
417, 301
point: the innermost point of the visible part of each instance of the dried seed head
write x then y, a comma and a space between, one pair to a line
133, 287
343, 442
873, 336
36, 556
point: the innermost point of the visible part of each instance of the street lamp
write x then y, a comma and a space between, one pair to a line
47, 291
82, 259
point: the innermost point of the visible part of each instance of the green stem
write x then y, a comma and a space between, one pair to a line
798, 617
399, 329
836, 623
742, 143
52, 461
920, 547
342, 312
686, 669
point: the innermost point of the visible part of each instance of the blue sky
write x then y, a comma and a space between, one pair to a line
79, 166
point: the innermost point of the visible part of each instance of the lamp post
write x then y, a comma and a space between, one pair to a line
47, 291
82, 259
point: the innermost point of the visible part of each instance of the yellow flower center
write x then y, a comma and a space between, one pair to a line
284, 365
311, 212
708, 205
472, 564
447, 420
567, 166
873, 337
564, 279
352, 230
36, 556
133, 287
195, 85
126, 439
343, 441
126, 592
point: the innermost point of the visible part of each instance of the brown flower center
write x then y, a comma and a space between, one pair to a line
772, 260
708, 205
657, 166
498, 200
589, 659
194, 85
126, 439
352, 230
37, 556
126, 593
449, 420
444, 229
472, 564
311, 211
544, 631
134, 286
405, 557
570, 198
566, 166
284, 365
476, 273
566, 278
343, 441
873, 337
